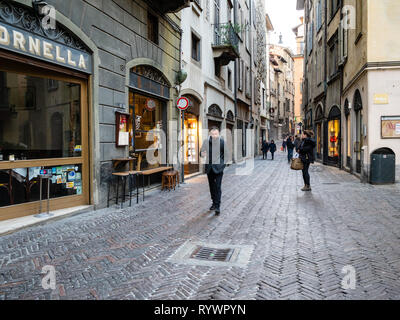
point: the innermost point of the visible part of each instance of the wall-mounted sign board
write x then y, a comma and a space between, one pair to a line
122, 129
390, 127
382, 98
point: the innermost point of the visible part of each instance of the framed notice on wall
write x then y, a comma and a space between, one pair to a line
390, 127
122, 129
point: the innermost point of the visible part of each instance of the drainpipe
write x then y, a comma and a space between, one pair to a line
181, 114
343, 153
325, 127
235, 82
251, 61
236, 61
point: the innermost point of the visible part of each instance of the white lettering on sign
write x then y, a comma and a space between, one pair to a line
34, 46
4, 36
47, 47
37, 46
70, 61
19, 40
58, 55
82, 63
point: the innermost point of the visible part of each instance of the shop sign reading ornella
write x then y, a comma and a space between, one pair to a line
23, 42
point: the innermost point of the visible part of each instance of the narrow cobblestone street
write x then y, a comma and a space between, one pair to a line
301, 242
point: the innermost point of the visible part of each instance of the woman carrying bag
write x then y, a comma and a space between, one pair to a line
306, 154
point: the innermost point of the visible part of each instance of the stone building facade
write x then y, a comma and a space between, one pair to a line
133, 53
350, 91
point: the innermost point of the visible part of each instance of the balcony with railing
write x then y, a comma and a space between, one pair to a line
168, 6
226, 43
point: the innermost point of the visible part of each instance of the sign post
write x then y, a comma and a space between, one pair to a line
183, 104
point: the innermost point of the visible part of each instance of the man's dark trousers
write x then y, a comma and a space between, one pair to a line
215, 181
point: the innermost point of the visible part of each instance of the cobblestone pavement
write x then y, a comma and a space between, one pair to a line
301, 242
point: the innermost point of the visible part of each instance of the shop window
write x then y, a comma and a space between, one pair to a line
148, 122
191, 143
152, 28
333, 136
39, 118
25, 184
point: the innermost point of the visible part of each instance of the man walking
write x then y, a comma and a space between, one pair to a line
290, 147
213, 150
265, 148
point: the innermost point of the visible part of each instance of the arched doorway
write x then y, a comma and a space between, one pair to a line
191, 161
334, 136
149, 93
319, 117
359, 124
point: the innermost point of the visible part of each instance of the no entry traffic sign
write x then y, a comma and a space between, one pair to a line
183, 103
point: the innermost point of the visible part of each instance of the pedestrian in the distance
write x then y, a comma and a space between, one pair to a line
284, 145
265, 148
306, 153
272, 148
213, 150
290, 147
297, 142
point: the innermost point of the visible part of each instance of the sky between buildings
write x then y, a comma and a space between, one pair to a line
284, 17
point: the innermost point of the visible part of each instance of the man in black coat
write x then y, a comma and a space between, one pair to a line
213, 150
265, 148
290, 147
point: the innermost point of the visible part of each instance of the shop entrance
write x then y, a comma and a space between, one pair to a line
334, 136
43, 126
191, 164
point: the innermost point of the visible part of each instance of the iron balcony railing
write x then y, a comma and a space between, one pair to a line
226, 35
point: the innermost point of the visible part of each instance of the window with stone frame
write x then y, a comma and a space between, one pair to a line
229, 79
152, 28
318, 12
333, 56
196, 48
359, 20
240, 74
335, 4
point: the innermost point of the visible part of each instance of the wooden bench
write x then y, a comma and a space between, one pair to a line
148, 173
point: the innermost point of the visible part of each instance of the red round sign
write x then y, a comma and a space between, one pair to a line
183, 103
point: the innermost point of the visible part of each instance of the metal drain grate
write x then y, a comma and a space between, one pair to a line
331, 183
212, 254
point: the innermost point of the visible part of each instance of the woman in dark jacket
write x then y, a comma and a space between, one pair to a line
306, 153
264, 148
272, 148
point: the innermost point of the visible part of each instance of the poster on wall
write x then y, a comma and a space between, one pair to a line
390, 127
122, 127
